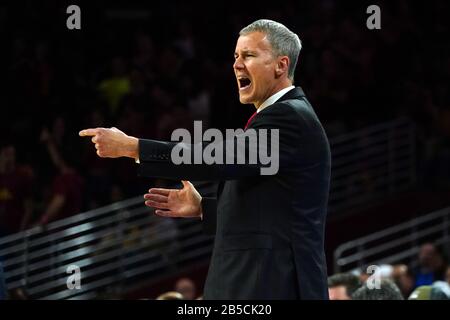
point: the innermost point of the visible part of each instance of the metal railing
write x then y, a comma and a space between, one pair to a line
119, 245
122, 245
372, 163
395, 244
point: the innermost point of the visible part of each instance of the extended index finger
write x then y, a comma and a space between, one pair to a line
88, 132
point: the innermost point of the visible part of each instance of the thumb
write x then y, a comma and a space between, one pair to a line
186, 184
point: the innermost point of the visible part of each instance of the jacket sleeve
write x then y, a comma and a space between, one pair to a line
155, 156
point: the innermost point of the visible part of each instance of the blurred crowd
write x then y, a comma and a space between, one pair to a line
151, 69
425, 278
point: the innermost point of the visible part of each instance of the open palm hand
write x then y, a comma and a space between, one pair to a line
184, 203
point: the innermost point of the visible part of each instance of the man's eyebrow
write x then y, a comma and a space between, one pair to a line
245, 51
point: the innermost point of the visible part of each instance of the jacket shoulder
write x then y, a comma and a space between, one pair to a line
295, 109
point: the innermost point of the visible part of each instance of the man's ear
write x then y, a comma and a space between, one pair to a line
282, 66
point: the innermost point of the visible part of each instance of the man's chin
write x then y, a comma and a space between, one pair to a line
245, 100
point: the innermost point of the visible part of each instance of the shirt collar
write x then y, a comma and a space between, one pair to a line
274, 98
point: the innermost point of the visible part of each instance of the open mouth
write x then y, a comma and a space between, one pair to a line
244, 83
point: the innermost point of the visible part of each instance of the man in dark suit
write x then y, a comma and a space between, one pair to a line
269, 239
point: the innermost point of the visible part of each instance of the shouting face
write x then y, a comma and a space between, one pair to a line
259, 72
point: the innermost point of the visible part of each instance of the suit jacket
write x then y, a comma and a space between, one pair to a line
269, 241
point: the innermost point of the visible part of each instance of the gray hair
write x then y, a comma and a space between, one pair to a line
284, 42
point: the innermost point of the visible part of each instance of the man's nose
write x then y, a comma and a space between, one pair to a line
237, 65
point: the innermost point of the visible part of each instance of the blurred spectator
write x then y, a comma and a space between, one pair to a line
67, 187
117, 85
186, 287
57, 133
431, 266
388, 291
404, 279
66, 198
16, 204
170, 295
342, 285
447, 275
438, 291
421, 293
